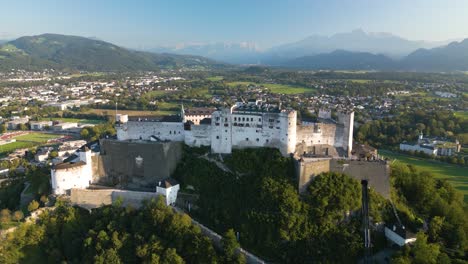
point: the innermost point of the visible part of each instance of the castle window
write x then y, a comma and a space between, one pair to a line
235, 118
270, 126
247, 125
277, 121
225, 131
267, 140
217, 124
226, 125
170, 132
271, 120
251, 119
259, 120
217, 137
217, 118
243, 119
258, 140
246, 139
225, 119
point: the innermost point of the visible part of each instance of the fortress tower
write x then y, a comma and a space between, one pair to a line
346, 118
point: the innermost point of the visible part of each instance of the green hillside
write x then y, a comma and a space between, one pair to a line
79, 53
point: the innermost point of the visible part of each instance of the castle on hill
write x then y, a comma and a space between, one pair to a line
244, 125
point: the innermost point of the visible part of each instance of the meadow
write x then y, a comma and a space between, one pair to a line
462, 114
456, 175
277, 88
215, 78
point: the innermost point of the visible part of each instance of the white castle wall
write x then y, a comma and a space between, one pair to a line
198, 136
173, 131
241, 129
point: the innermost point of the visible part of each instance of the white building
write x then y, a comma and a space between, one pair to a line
13, 124
244, 125
64, 126
40, 125
169, 188
434, 147
74, 174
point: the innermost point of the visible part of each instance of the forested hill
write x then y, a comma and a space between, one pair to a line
79, 53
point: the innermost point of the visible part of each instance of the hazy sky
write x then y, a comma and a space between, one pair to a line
149, 23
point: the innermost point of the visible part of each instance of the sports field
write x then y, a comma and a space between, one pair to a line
26, 141
456, 175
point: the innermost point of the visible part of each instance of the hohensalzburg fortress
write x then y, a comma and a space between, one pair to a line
252, 124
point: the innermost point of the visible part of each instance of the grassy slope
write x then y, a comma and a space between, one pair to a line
456, 175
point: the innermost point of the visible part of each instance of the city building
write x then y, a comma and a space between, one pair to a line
432, 146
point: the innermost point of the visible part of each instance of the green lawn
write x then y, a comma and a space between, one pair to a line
215, 78
456, 175
154, 94
277, 88
463, 114
26, 141
90, 74
72, 120
36, 137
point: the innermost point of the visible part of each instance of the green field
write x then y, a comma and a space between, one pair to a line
463, 114
277, 88
456, 175
154, 94
26, 141
72, 120
90, 74
215, 78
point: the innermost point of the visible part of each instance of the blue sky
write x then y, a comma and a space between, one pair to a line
149, 23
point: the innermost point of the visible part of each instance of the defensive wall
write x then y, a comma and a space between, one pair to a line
377, 173
135, 163
90, 199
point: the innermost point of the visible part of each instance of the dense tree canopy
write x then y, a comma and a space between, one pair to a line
111, 234
258, 198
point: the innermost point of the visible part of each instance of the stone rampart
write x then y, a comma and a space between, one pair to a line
90, 199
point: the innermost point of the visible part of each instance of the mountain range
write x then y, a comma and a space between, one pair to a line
392, 46
79, 53
348, 51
